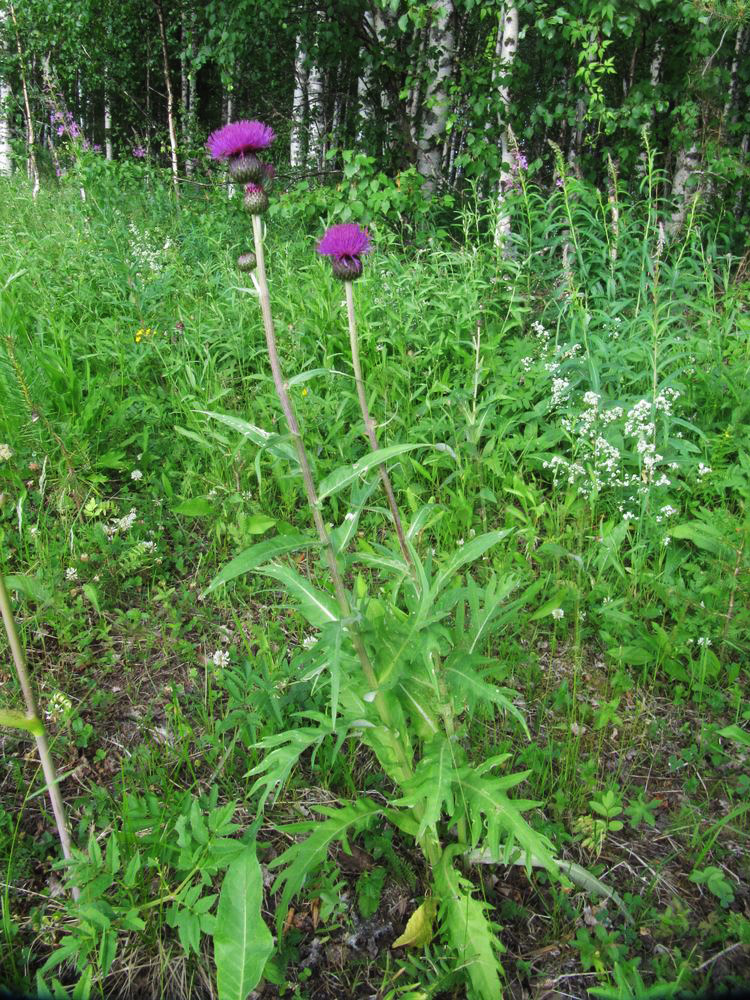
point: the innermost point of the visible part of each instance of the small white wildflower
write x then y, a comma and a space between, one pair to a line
558, 613
666, 540
628, 516
460, 542
33, 528
220, 658
703, 470
59, 705
5, 452
349, 516
704, 641
309, 641
136, 474
71, 573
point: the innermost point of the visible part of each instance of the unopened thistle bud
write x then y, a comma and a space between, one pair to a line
247, 262
345, 244
256, 199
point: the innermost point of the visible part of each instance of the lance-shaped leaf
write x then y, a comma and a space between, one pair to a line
468, 553
317, 606
282, 751
430, 790
496, 818
347, 474
275, 443
467, 685
305, 857
258, 555
470, 933
242, 942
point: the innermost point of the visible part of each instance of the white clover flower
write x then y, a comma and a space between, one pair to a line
71, 573
136, 474
220, 658
5, 453
558, 613
309, 641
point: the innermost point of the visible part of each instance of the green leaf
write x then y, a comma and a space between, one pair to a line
317, 607
469, 931
735, 733
464, 681
704, 537
242, 941
197, 507
306, 856
263, 552
467, 553
281, 753
277, 445
30, 587
258, 524
430, 789
347, 474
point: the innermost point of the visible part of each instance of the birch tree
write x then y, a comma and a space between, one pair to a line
505, 53
297, 144
439, 64
6, 163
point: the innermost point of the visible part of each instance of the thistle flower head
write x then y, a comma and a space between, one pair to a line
239, 138
345, 244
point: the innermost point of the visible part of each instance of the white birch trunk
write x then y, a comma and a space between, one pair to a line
439, 67
739, 41
505, 53
299, 102
316, 110
170, 96
6, 163
108, 151
684, 191
654, 75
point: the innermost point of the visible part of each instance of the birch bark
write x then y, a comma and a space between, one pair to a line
170, 94
299, 104
505, 53
6, 163
439, 64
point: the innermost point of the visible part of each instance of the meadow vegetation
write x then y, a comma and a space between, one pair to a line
576, 496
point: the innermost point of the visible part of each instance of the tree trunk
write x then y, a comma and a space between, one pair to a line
170, 95
108, 151
31, 165
297, 149
6, 163
316, 111
683, 191
505, 53
439, 66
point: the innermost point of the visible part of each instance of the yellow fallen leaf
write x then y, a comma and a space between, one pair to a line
418, 931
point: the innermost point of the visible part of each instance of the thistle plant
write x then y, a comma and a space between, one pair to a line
345, 244
403, 673
31, 722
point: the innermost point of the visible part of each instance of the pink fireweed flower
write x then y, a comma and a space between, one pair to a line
239, 138
345, 244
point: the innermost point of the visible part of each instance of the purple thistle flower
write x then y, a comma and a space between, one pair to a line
344, 244
239, 138
139, 152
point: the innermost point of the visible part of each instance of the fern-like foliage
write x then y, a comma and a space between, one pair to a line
431, 789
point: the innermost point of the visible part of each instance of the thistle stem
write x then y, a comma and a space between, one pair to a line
36, 726
312, 499
370, 424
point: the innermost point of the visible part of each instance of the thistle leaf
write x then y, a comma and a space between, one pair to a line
468, 930
276, 765
302, 858
242, 942
431, 787
317, 607
347, 474
259, 554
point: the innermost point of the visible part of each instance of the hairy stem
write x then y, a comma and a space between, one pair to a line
36, 726
370, 423
312, 499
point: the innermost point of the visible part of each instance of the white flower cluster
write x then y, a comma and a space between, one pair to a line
120, 525
220, 658
59, 706
147, 251
5, 453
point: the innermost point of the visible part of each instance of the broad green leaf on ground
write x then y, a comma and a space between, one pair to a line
275, 443
242, 941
